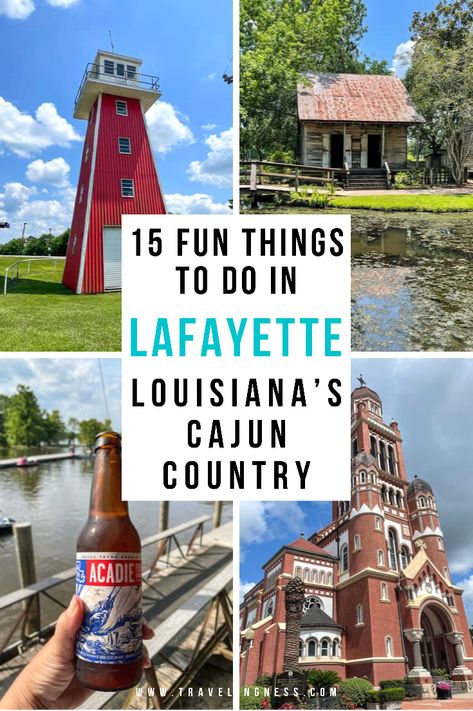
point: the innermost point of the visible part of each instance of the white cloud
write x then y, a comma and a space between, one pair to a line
167, 127
17, 9
216, 169
25, 135
467, 586
402, 58
17, 205
62, 3
209, 126
196, 204
244, 588
52, 172
270, 520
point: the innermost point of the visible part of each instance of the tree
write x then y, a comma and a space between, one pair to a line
3, 411
24, 420
55, 429
89, 429
440, 79
294, 600
280, 42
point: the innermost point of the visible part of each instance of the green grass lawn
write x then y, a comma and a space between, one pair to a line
40, 314
403, 202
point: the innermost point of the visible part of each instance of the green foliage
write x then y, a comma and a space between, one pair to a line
405, 203
409, 179
264, 680
253, 698
310, 196
281, 42
391, 683
440, 79
3, 411
89, 429
44, 245
322, 678
24, 420
442, 672
396, 693
355, 690
372, 697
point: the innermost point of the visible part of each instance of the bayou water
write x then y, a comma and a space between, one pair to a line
412, 281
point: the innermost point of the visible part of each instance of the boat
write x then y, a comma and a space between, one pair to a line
25, 462
6, 524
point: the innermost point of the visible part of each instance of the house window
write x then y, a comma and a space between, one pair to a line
391, 462
377, 523
440, 544
269, 608
384, 591
324, 648
311, 601
382, 456
380, 558
124, 145
306, 574
311, 648
81, 193
422, 502
373, 447
389, 646
362, 477
410, 594
335, 648
127, 188
357, 542
297, 572
108, 66
359, 614
344, 558
121, 108
130, 71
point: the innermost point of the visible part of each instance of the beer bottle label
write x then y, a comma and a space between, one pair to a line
110, 586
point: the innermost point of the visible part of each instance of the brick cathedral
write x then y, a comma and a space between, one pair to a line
379, 600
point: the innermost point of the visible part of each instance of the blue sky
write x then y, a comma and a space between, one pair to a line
45, 47
70, 385
432, 401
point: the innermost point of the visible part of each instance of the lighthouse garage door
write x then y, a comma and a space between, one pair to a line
112, 258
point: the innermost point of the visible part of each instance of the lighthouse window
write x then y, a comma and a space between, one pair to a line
130, 71
120, 70
127, 188
124, 145
122, 108
108, 66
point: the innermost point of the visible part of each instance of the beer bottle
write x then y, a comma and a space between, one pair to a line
108, 580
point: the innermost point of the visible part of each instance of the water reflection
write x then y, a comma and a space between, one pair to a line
412, 282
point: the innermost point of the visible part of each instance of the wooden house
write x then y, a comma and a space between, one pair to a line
356, 121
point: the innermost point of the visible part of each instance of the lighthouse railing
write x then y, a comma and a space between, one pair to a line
136, 80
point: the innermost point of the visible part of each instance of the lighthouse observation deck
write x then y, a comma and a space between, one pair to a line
118, 75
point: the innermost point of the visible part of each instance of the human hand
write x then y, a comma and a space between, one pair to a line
49, 681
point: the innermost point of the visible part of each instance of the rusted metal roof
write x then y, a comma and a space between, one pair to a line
367, 98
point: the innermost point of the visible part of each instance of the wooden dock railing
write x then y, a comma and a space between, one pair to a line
29, 596
260, 176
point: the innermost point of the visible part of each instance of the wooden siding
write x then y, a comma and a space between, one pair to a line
314, 148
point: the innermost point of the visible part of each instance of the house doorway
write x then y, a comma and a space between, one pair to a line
336, 150
374, 151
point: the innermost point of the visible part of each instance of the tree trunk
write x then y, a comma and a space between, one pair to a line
294, 594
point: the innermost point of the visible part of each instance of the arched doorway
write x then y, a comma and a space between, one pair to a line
437, 652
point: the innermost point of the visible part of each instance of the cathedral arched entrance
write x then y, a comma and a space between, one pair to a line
436, 650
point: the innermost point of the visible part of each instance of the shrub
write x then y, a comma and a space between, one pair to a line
264, 680
440, 672
390, 683
253, 698
309, 196
372, 697
322, 678
409, 179
355, 690
394, 694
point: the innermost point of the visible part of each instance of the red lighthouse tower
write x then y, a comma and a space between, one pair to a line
117, 176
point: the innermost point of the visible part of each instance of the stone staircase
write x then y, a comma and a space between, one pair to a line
367, 179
